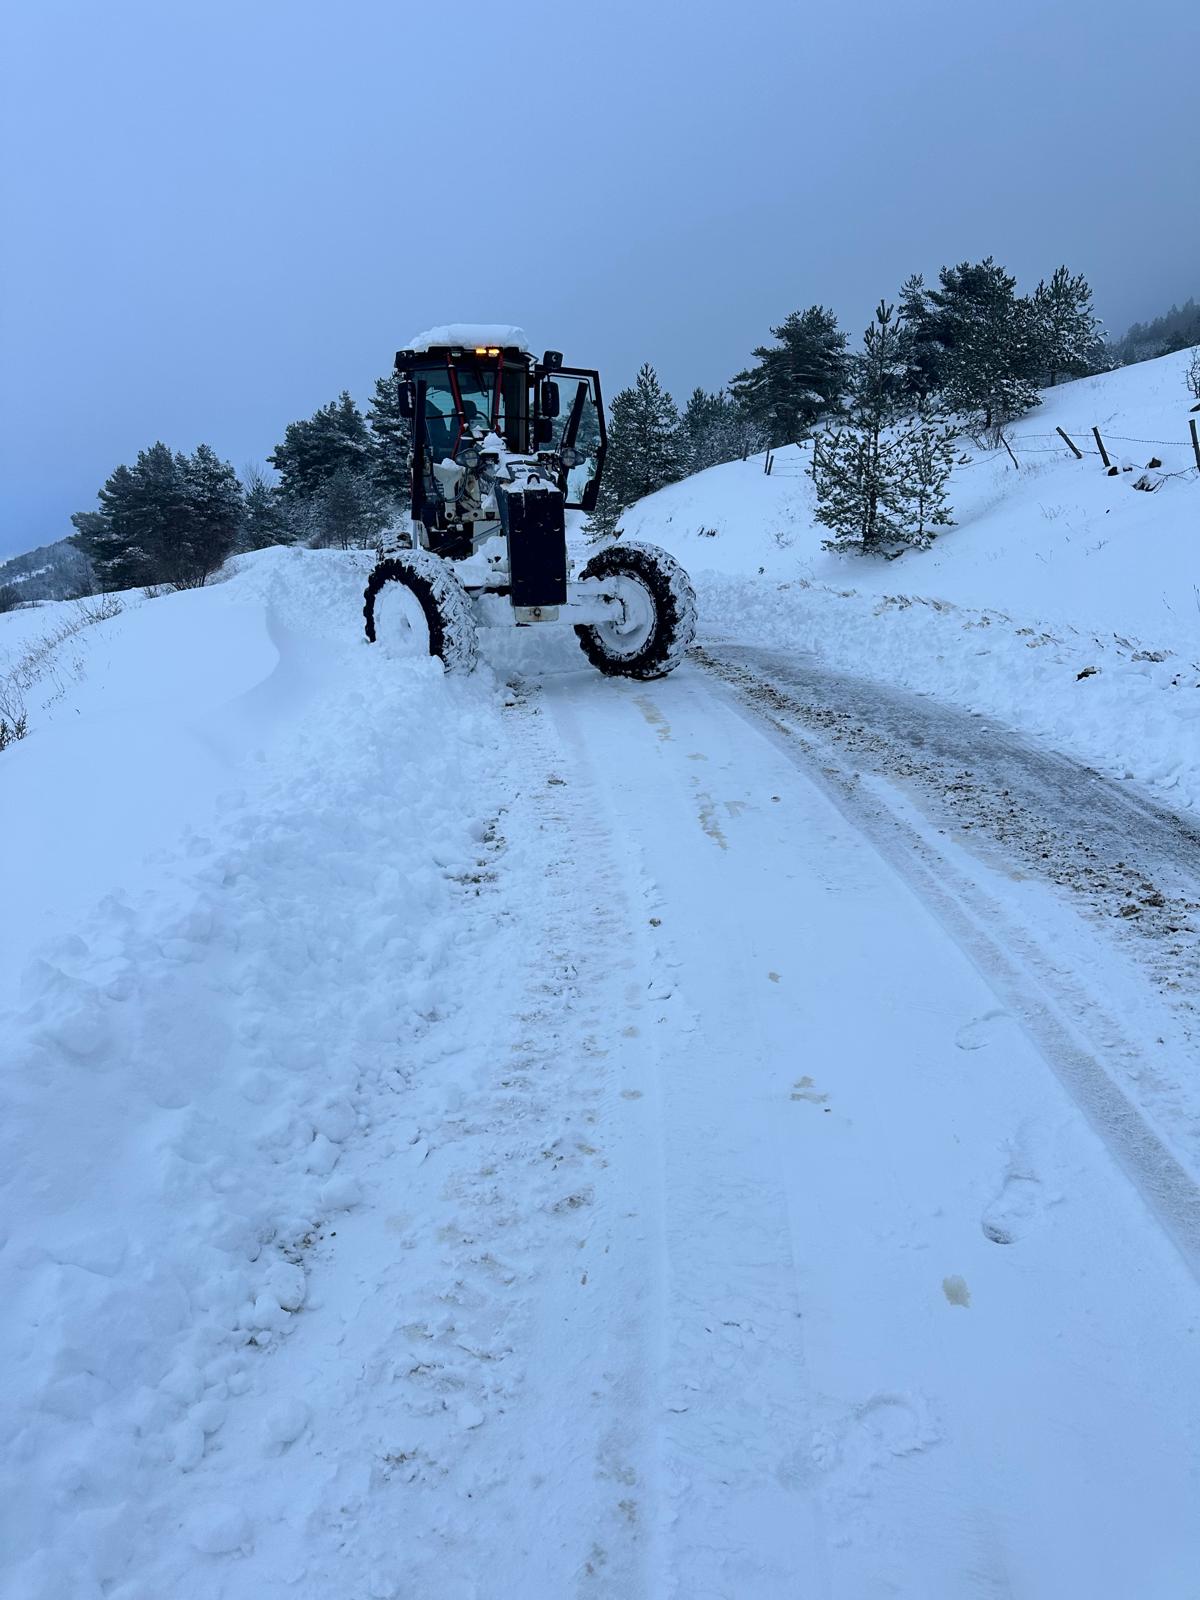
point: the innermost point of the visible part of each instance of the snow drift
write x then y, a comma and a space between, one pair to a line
188, 835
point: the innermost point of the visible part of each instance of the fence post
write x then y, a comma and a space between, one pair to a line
1103, 451
1071, 444
1195, 439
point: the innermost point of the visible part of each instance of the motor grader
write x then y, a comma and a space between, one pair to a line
502, 446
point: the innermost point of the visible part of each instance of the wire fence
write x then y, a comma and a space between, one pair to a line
1021, 444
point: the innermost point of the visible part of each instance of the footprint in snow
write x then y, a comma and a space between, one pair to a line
980, 1031
1015, 1208
1022, 1197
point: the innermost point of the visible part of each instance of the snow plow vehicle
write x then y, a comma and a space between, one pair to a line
502, 446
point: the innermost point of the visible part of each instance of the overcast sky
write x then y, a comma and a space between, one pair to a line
218, 213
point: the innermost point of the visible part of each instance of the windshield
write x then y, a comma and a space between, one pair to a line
476, 391
476, 385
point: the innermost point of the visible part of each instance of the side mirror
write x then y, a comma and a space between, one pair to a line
406, 400
543, 430
548, 403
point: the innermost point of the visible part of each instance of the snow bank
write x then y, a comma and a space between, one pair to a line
1053, 571
177, 1092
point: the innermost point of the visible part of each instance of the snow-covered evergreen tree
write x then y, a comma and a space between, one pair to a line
924, 459
989, 339
312, 450
713, 428
877, 372
645, 450
159, 508
923, 352
881, 482
205, 537
265, 519
855, 466
798, 380
344, 513
1065, 327
170, 518
106, 537
389, 444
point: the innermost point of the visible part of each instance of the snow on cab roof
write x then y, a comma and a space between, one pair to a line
471, 335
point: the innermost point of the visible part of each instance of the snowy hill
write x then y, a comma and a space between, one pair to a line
51, 572
1052, 570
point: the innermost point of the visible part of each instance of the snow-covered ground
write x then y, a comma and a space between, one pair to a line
1053, 570
543, 1135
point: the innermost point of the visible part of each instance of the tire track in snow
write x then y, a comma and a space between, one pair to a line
732, 1395
1073, 1033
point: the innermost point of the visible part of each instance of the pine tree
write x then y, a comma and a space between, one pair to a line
645, 450
988, 337
312, 450
696, 427
925, 457
855, 466
265, 518
106, 536
389, 445
797, 381
1065, 328
712, 430
878, 372
345, 512
159, 509
923, 353
881, 482
205, 537
168, 519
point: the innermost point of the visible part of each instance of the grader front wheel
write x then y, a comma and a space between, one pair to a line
659, 621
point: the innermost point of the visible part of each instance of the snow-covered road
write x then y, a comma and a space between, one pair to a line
917, 1324
592, 1139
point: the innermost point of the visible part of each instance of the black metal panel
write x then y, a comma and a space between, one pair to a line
537, 545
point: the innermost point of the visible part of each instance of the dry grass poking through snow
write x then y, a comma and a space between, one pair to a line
45, 661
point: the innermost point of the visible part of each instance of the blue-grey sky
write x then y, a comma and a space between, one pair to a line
218, 213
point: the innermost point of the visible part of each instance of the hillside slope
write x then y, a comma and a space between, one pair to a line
1052, 570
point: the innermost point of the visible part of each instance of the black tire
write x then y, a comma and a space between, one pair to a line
674, 605
443, 601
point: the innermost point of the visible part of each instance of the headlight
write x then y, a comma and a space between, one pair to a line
468, 458
569, 456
